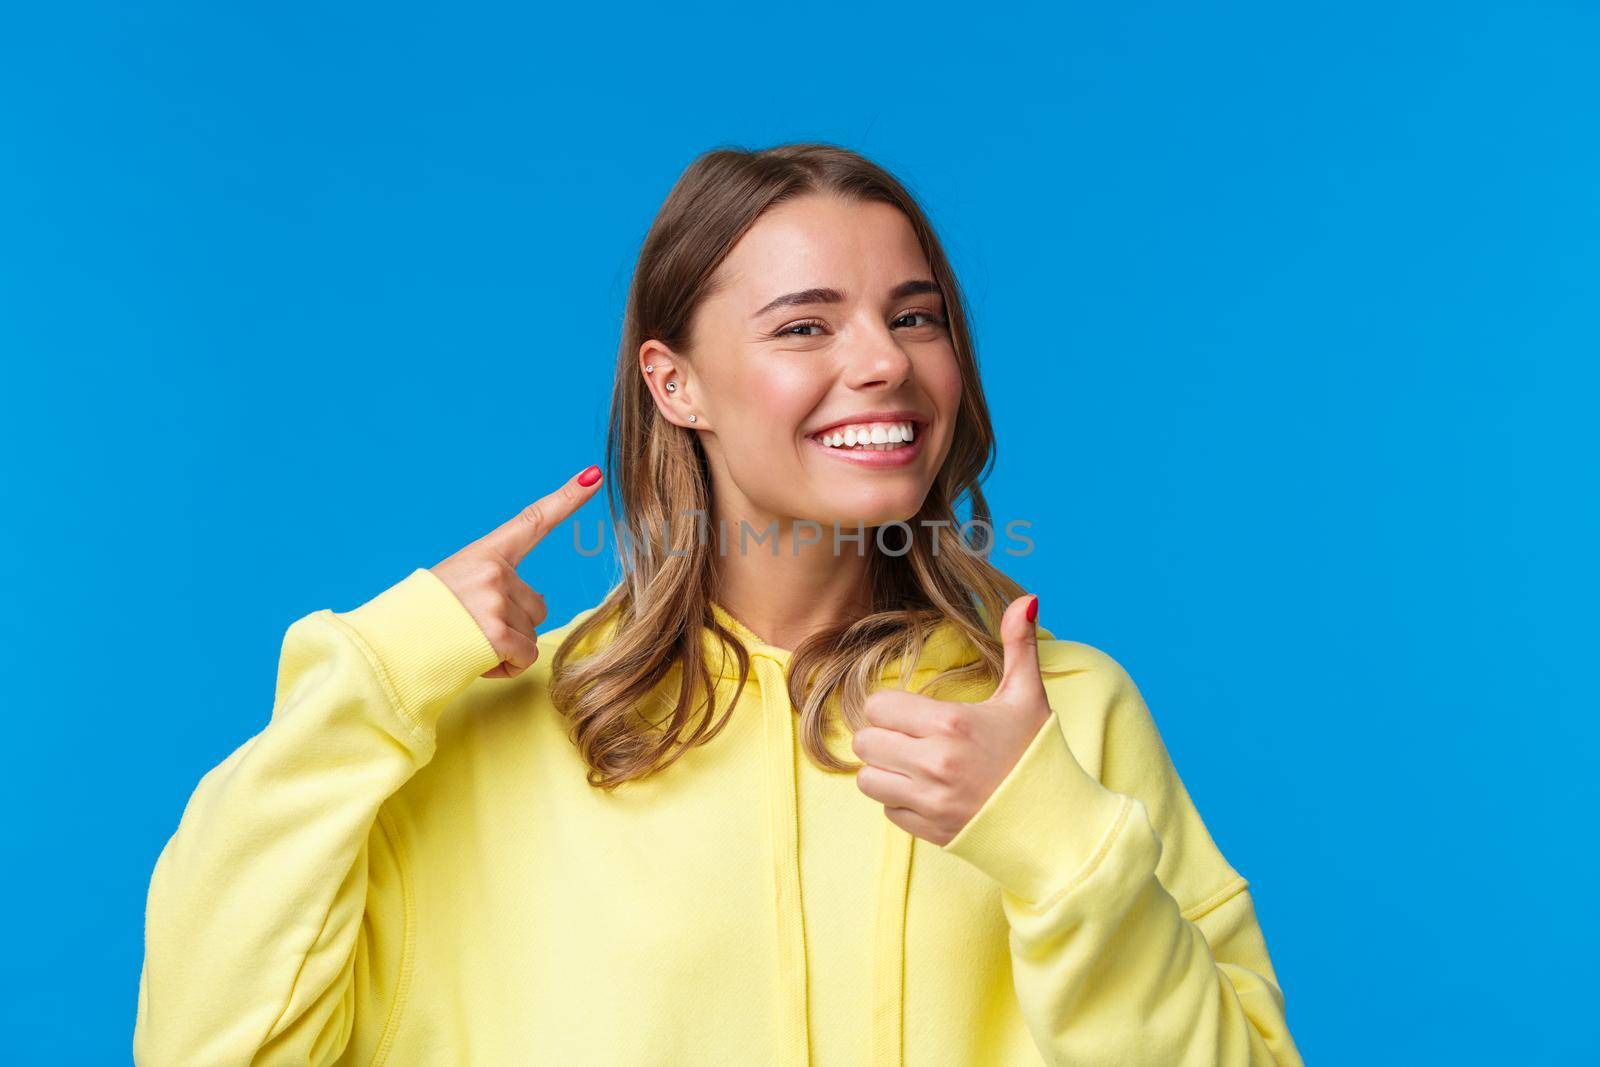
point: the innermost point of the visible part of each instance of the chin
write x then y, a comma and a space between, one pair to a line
874, 507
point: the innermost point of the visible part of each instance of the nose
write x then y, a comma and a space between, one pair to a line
877, 361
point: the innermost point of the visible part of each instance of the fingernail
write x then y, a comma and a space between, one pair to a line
590, 475
1033, 609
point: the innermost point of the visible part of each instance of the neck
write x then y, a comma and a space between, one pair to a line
785, 596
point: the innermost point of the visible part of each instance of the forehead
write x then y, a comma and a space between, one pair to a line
863, 248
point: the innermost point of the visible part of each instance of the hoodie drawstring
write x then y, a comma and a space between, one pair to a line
889, 948
783, 804
793, 1047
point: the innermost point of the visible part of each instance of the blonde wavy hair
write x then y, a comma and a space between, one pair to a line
642, 647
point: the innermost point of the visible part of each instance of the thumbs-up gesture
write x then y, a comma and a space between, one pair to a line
933, 763
483, 576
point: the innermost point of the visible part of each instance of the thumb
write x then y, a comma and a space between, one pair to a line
1021, 639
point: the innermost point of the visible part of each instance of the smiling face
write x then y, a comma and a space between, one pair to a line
821, 350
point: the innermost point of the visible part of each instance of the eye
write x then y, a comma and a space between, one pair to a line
798, 326
812, 324
933, 320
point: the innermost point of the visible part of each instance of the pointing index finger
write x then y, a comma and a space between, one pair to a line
516, 538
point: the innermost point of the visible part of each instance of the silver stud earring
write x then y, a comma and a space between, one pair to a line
649, 368
672, 387
694, 418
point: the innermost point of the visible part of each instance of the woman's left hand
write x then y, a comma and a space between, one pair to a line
932, 763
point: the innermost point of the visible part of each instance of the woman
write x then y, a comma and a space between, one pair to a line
809, 786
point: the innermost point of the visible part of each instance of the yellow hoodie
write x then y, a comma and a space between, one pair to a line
407, 866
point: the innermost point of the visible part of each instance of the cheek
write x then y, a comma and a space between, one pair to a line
774, 405
941, 377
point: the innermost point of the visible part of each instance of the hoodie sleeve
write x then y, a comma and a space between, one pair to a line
279, 905
1132, 939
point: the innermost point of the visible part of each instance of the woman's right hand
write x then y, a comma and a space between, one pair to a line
483, 575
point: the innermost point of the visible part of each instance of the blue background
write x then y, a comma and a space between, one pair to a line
1287, 314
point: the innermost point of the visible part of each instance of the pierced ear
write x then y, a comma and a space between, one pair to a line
669, 388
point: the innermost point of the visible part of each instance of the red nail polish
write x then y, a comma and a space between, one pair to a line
590, 475
1033, 609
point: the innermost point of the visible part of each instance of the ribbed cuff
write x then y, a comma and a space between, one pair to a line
427, 644
1047, 823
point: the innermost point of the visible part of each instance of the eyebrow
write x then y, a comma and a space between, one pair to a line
834, 296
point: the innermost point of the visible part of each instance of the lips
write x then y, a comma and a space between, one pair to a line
881, 455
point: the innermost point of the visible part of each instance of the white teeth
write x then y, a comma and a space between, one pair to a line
878, 436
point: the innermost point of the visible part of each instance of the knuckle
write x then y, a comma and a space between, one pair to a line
952, 722
943, 766
488, 571
534, 517
945, 807
930, 806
